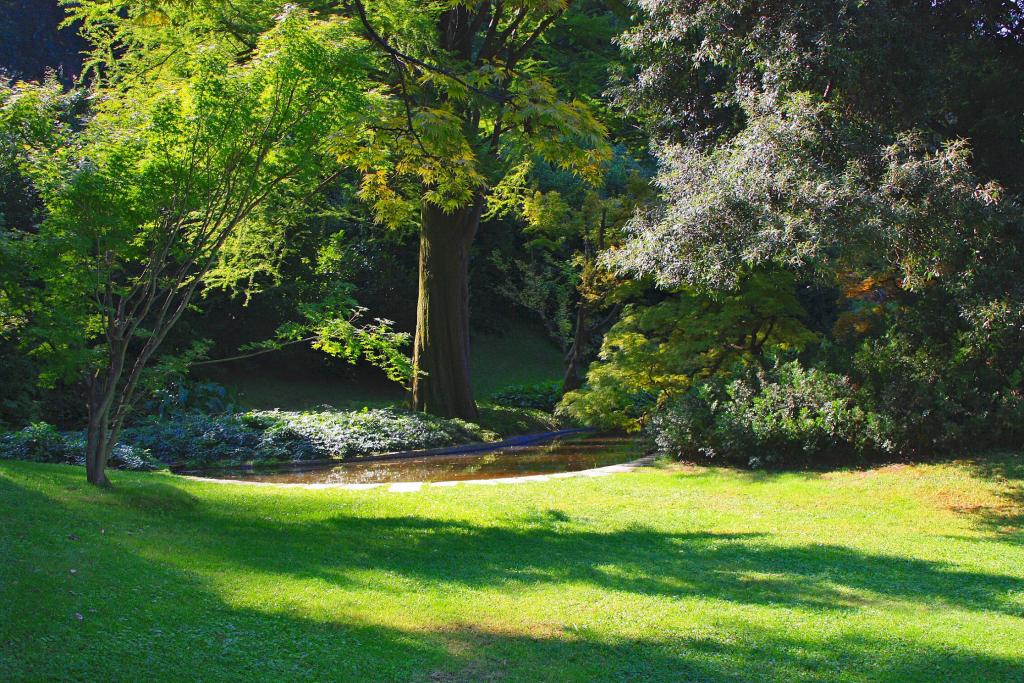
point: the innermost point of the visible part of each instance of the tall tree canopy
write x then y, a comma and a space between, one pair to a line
847, 142
849, 126
460, 99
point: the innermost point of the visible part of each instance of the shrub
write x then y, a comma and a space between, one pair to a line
785, 416
41, 442
337, 433
38, 442
939, 401
197, 439
540, 395
183, 396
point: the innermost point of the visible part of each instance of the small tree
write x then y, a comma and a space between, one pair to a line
176, 163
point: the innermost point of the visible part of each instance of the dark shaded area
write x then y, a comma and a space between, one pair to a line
31, 42
647, 562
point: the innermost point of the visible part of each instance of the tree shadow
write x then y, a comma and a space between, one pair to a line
546, 548
146, 613
1006, 520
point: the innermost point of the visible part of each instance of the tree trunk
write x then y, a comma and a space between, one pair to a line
97, 446
574, 360
100, 436
441, 383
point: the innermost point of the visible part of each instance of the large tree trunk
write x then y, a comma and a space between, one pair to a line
441, 384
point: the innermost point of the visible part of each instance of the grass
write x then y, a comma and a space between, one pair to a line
520, 356
904, 573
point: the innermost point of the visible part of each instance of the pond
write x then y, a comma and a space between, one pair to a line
568, 453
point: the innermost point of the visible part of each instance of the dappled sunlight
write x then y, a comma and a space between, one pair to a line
512, 341
465, 584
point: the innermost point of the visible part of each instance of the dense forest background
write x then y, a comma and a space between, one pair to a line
762, 233
380, 267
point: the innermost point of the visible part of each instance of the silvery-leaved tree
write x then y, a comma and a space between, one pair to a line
177, 160
785, 136
460, 98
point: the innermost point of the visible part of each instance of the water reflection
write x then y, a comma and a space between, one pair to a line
567, 454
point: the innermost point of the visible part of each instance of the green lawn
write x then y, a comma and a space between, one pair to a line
674, 574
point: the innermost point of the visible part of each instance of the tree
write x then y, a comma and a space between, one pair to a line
173, 166
462, 99
657, 351
850, 140
828, 157
562, 280
476, 103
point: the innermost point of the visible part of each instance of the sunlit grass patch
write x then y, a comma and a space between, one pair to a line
677, 573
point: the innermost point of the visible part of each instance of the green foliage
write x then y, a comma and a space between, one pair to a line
344, 434
195, 439
783, 416
183, 396
41, 442
175, 168
787, 140
540, 395
803, 186
659, 350
937, 401
502, 421
455, 107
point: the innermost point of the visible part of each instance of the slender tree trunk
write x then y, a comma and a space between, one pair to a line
442, 382
574, 360
101, 434
97, 445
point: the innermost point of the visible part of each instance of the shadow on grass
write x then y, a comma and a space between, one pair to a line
160, 612
740, 568
1006, 520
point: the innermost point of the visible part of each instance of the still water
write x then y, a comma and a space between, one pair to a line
566, 454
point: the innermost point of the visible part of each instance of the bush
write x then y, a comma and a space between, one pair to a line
198, 440
540, 395
41, 442
183, 396
937, 402
338, 433
786, 416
